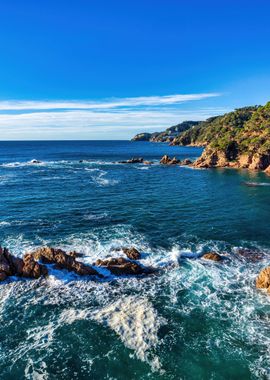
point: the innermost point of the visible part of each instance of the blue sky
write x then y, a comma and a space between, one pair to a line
109, 69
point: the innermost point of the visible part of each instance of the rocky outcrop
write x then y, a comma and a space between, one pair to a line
166, 160
212, 256
62, 260
121, 266
15, 266
263, 279
212, 158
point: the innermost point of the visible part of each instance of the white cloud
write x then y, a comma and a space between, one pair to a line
114, 119
13, 105
92, 125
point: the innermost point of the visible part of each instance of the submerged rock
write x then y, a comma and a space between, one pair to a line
186, 161
250, 254
263, 279
133, 160
166, 160
62, 260
121, 266
136, 160
212, 256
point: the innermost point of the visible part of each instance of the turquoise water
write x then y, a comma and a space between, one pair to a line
196, 320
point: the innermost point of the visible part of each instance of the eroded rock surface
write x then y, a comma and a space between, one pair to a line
166, 160
62, 260
15, 266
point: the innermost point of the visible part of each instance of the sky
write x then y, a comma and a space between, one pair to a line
99, 69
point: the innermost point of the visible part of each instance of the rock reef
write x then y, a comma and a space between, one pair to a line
33, 265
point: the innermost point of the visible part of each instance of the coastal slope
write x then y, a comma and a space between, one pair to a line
239, 139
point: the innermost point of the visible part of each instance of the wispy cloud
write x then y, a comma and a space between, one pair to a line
107, 119
13, 105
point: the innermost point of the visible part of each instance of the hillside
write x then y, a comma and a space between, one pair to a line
239, 139
168, 135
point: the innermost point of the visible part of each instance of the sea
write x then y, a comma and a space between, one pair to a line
194, 319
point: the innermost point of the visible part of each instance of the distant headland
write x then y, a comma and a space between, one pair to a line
239, 139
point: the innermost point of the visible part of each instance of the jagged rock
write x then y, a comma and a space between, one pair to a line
32, 269
166, 160
62, 260
121, 266
15, 266
132, 253
212, 256
263, 279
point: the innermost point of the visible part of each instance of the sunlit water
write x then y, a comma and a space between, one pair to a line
195, 320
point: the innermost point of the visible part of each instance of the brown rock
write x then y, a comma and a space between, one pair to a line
132, 253
121, 266
212, 256
263, 279
260, 162
62, 260
32, 269
267, 170
166, 160
15, 266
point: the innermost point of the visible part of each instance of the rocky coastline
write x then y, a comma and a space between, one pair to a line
36, 264
239, 139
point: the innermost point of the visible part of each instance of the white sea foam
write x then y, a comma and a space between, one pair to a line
136, 322
223, 295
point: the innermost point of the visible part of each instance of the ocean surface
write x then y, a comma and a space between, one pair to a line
195, 320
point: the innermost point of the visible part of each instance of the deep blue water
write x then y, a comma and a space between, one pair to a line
197, 320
